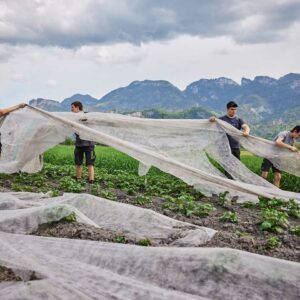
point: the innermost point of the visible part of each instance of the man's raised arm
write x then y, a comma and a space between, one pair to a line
6, 111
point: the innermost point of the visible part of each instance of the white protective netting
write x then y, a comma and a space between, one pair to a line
24, 212
80, 269
178, 147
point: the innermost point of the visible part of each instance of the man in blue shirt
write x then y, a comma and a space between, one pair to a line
238, 123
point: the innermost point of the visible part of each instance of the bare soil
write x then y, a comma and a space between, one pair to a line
75, 230
7, 274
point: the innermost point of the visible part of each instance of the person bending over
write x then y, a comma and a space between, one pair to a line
284, 139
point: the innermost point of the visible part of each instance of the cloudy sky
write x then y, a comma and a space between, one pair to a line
56, 48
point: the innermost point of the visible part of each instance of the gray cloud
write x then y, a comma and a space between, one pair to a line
272, 22
71, 24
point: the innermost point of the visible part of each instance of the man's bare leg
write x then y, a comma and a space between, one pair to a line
277, 178
264, 174
91, 172
79, 171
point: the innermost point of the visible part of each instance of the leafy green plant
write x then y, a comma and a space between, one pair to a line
274, 220
55, 193
69, 184
293, 208
270, 203
272, 243
222, 198
295, 230
107, 194
183, 206
70, 218
144, 242
230, 216
120, 239
187, 206
203, 210
142, 200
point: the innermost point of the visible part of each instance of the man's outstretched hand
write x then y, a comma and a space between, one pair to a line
293, 149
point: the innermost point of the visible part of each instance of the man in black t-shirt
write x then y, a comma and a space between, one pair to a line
83, 148
232, 119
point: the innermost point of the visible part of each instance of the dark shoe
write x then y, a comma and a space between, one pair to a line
91, 181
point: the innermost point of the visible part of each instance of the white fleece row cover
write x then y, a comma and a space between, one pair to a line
80, 269
178, 147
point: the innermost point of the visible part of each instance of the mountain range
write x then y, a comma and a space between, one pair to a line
263, 101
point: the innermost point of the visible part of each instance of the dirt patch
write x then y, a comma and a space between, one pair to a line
288, 247
245, 234
7, 274
75, 230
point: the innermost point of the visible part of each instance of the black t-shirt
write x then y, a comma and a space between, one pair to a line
83, 143
237, 123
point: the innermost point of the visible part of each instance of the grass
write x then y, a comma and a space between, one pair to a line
107, 158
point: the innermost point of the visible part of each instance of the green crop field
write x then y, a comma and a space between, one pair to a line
114, 170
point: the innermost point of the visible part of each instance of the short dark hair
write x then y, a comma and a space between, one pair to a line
296, 128
77, 104
231, 104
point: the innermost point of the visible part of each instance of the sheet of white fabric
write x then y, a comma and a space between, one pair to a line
80, 269
178, 147
24, 212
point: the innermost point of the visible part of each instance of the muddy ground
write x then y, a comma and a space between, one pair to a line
7, 274
75, 230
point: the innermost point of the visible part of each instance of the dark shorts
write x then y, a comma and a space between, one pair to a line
236, 153
88, 152
266, 165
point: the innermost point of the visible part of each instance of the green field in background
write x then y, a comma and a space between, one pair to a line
112, 160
